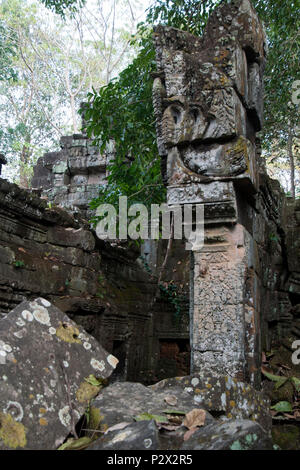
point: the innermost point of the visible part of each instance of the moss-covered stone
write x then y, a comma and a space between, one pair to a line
86, 392
12, 433
286, 436
283, 393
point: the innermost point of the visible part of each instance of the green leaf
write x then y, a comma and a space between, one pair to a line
282, 406
281, 382
92, 380
76, 444
296, 383
148, 417
275, 378
174, 412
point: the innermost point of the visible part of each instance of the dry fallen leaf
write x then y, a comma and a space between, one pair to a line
297, 414
175, 419
287, 415
168, 427
171, 400
194, 418
118, 426
189, 433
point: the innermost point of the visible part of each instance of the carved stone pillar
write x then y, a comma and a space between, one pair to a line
207, 97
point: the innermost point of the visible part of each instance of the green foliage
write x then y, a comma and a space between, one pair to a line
122, 111
102, 291
146, 265
60, 7
19, 264
148, 417
92, 380
7, 53
191, 15
282, 407
170, 292
281, 380
76, 444
282, 22
273, 237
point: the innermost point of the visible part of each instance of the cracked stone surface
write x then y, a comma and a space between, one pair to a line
44, 361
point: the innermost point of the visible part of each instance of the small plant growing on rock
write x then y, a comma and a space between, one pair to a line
19, 264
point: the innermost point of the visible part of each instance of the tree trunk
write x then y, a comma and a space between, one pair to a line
74, 115
24, 160
292, 162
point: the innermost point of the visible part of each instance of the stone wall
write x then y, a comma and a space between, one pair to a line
71, 177
46, 252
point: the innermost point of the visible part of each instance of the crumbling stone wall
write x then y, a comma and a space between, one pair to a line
46, 252
71, 177
208, 102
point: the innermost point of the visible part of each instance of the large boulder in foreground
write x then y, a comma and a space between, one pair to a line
48, 367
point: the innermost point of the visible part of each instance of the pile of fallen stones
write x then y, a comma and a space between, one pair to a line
52, 374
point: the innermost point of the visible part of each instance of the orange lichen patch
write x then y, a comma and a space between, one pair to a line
31, 396
232, 403
11, 432
14, 361
222, 55
43, 410
224, 80
46, 370
239, 149
197, 391
43, 422
208, 385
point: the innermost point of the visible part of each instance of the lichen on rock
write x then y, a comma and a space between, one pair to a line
69, 333
12, 433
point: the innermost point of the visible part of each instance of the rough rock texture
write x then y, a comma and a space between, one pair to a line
142, 435
241, 415
47, 252
121, 401
231, 435
71, 177
44, 361
222, 396
207, 98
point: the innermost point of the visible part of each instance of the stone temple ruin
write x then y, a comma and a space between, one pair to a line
240, 293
